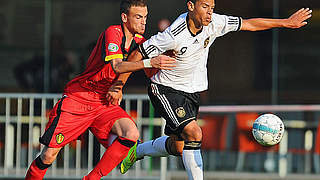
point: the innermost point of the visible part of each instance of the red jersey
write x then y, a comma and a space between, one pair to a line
99, 74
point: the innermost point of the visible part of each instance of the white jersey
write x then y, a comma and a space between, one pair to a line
190, 73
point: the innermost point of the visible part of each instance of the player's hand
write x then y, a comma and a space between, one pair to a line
298, 19
163, 62
171, 53
114, 95
152, 71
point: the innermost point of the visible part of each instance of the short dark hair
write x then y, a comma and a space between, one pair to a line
125, 5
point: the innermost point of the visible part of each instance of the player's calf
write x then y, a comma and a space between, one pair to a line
132, 134
49, 155
39, 166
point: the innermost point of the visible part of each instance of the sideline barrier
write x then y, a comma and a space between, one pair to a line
23, 118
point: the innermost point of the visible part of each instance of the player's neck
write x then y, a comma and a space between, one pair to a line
129, 36
193, 26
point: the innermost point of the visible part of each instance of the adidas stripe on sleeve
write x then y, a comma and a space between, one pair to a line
224, 24
158, 44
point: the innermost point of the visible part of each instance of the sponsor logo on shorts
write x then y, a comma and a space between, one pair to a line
59, 138
180, 112
112, 47
206, 42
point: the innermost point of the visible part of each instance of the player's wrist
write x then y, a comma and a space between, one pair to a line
147, 63
285, 23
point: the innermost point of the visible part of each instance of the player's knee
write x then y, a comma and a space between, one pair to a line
192, 132
197, 134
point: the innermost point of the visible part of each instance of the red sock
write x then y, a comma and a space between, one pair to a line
111, 158
37, 170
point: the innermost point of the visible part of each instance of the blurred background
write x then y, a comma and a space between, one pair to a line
45, 43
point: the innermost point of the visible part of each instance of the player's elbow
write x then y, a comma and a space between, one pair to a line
117, 66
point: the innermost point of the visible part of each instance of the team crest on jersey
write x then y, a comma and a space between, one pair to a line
112, 47
206, 42
59, 138
180, 112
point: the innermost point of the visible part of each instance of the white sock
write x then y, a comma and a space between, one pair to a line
154, 148
192, 161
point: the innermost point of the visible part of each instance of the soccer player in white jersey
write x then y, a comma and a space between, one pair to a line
175, 93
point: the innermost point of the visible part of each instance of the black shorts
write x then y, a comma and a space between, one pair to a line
178, 108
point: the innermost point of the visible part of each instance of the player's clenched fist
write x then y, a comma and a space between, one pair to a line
163, 62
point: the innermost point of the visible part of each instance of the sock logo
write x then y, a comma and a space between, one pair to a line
192, 145
59, 138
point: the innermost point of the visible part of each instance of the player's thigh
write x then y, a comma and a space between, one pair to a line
175, 145
67, 121
176, 107
108, 118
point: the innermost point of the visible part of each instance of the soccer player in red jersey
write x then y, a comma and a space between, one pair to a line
85, 104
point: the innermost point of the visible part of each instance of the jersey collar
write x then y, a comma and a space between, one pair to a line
133, 44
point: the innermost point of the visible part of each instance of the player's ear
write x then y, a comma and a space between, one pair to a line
190, 5
124, 17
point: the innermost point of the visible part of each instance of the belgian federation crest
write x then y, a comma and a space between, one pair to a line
59, 138
180, 112
206, 42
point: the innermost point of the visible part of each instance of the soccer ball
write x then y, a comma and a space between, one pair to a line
268, 129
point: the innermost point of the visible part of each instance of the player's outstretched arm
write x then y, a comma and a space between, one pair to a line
296, 20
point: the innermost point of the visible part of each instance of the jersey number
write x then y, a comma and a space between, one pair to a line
182, 51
